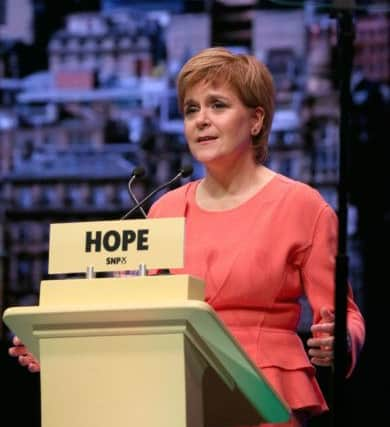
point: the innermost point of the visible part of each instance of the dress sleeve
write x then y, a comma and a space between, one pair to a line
318, 273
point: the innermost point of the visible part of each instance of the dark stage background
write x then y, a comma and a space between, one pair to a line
87, 93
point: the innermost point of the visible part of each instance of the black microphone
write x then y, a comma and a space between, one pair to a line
138, 172
184, 172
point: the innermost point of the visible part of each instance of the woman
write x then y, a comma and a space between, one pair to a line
259, 240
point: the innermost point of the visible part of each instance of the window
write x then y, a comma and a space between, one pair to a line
25, 199
99, 196
49, 196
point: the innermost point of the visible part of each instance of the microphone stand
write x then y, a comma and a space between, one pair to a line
184, 172
345, 38
137, 173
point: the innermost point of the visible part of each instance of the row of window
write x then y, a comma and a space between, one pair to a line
24, 233
93, 44
123, 63
320, 166
73, 195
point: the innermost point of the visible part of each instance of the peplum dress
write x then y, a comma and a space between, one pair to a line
257, 260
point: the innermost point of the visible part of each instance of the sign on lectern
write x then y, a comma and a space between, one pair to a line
116, 245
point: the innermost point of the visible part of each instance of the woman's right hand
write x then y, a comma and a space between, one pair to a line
25, 358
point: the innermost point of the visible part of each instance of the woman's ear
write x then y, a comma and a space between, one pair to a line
258, 119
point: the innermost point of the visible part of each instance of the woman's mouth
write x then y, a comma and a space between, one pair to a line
206, 139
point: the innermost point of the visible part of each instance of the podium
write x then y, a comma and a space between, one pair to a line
139, 351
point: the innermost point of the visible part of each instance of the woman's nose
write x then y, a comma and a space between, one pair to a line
202, 119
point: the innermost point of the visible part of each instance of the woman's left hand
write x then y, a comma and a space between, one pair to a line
321, 346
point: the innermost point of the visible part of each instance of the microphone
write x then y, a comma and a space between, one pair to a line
184, 172
138, 172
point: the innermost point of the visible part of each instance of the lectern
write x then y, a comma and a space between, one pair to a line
139, 351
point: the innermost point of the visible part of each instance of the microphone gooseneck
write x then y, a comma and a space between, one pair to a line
184, 172
138, 172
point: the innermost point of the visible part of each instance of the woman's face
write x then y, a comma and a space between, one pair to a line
217, 125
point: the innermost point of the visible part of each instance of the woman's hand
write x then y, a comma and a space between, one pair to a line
25, 358
321, 346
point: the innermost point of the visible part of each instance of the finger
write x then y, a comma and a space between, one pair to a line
321, 354
16, 341
22, 360
17, 351
321, 342
26, 360
326, 314
321, 362
322, 328
12, 351
34, 367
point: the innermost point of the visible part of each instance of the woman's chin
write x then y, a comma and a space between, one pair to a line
206, 156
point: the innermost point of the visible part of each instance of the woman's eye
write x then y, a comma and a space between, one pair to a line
218, 104
190, 109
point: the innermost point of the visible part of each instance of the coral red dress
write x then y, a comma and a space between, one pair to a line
257, 260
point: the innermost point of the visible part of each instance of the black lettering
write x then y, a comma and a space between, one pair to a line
112, 240
114, 260
116, 241
142, 240
128, 237
90, 240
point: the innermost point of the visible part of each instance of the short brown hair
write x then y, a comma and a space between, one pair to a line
249, 77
